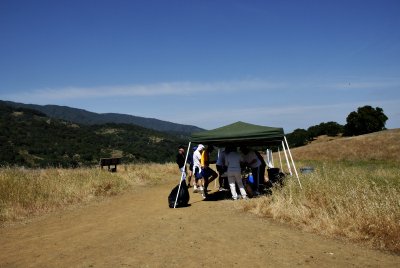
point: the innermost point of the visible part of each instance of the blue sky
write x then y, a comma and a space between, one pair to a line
290, 64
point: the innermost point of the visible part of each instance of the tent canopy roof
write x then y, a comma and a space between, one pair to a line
240, 133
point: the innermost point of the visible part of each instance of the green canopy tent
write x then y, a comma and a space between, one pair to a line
241, 133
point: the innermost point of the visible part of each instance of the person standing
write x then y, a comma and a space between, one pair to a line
197, 169
180, 160
208, 173
221, 168
251, 159
261, 175
232, 161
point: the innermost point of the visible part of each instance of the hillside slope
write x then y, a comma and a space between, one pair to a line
30, 138
380, 146
84, 117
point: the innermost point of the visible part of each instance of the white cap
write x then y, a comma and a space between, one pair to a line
200, 147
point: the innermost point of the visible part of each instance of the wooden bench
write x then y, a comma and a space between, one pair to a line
108, 162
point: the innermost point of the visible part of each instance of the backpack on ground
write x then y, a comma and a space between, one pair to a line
183, 196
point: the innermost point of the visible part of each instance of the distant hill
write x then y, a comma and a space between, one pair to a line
380, 146
29, 138
84, 117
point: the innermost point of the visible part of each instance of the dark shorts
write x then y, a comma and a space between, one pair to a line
197, 175
208, 172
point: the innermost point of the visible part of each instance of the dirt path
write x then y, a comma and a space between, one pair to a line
138, 229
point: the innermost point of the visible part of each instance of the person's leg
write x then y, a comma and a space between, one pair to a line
197, 177
205, 175
232, 185
238, 180
213, 174
189, 178
261, 177
256, 173
220, 178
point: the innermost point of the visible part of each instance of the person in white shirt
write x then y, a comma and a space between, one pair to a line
232, 161
199, 180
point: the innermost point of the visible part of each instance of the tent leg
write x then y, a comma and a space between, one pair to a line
287, 160
180, 181
280, 159
291, 158
272, 158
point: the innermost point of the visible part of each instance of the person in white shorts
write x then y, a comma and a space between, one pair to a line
198, 171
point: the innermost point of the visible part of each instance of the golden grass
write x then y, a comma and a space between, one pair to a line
383, 145
27, 192
354, 192
352, 201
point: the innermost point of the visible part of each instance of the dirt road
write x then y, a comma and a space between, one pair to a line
137, 229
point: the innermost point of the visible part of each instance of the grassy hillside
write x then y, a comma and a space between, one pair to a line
29, 138
353, 193
380, 146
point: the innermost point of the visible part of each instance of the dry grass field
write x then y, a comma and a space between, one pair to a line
353, 194
29, 192
378, 146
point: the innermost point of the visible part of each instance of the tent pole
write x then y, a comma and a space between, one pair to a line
272, 158
287, 160
280, 159
183, 172
291, 158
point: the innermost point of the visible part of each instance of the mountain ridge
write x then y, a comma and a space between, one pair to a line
84, 117
30, 138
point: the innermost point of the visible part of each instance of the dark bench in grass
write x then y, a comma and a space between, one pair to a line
108, 162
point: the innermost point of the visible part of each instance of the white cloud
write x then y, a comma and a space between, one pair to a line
52, 95
159, 89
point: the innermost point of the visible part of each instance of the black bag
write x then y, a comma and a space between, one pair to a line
275, 176
183, 197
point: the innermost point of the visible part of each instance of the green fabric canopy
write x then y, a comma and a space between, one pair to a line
240, 133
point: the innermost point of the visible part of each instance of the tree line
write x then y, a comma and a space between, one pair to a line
29, 138
363, 121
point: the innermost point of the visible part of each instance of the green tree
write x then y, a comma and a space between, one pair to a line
366, 120
298, 137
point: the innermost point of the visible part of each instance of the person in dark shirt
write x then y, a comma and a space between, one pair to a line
180, 160
180, 157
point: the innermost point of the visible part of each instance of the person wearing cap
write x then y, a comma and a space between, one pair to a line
199, 180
